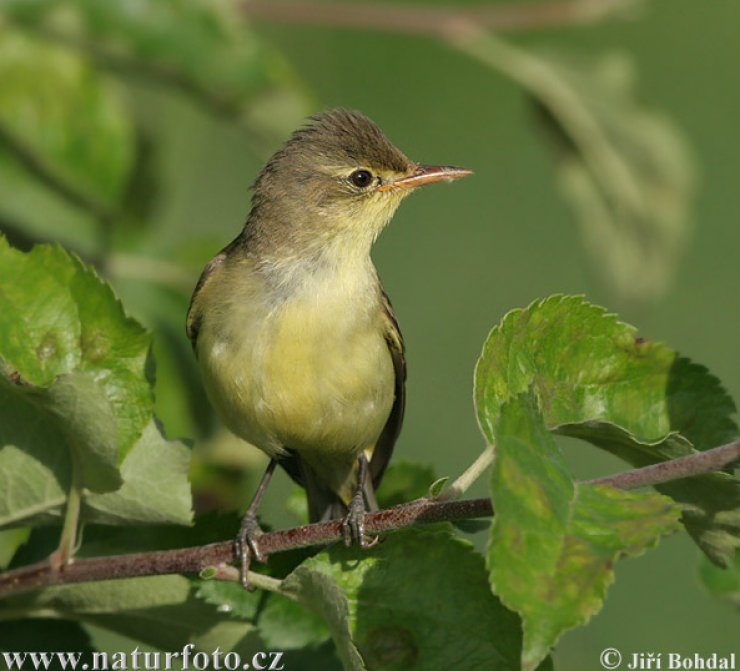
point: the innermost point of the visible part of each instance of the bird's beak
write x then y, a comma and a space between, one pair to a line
426, 174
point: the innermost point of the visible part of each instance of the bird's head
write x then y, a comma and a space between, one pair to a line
339, 177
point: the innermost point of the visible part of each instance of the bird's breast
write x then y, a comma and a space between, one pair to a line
310, 371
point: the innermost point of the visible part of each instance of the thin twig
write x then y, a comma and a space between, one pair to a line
675, 469
434, 21
196, 559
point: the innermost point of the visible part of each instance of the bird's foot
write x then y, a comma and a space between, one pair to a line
353, 525
247, 548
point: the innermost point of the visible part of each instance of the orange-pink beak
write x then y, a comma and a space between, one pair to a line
426, 174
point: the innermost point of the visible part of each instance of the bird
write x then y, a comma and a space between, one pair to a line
298, 345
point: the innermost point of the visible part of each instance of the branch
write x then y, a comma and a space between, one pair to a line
196, 559
441, 22
726, 456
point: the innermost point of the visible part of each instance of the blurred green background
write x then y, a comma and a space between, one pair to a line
180, 151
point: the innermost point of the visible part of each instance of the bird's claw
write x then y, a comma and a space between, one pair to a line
353, 525
247, 548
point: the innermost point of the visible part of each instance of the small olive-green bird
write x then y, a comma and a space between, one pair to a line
297, 342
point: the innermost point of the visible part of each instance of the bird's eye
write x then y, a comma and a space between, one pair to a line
361, 178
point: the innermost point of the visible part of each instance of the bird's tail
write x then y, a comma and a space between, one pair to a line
324, 504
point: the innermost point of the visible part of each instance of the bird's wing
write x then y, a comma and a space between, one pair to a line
195, 316
384, 447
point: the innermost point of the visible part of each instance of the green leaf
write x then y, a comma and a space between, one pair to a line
35, 475
437, 486
596, 380
230, 635
53, 102
205, 50
34, 464
554, 542
155, 487
160, 611
711, 502
74, 396
722, 583
318, 592
230, 598
584, 364
283, 624
10, 541
73, 403
40, 326
472, 526
57, 316
287, 625
389, 599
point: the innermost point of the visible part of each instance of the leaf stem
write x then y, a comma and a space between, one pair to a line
469, 476
62, 556
228, 573
195, 559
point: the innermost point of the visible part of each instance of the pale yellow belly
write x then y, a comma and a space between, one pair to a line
318, 380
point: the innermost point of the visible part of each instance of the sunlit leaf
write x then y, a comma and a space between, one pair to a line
76, 400
58, 317
553, 541
59, 118
595, 379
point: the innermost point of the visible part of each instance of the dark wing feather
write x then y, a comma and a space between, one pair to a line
386, 441
195, 316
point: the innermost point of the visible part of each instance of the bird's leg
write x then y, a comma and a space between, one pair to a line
250, 530
353, 525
